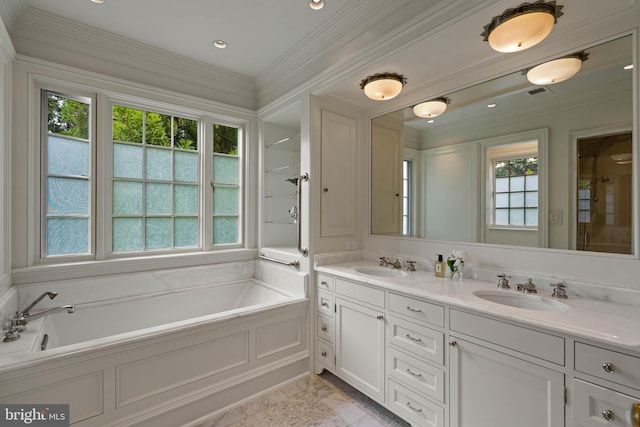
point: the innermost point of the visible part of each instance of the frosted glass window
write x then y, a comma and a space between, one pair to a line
516, 217
516, 200
517, 183
158, 233
502, 185
502, 216
186, 199
127, 234
67, 236
127, 161
531, 199
502, 200
66, 168
225, 170
185, 166
127, 198
225, 200
516, 187
225, 230
531, 182
185, 232
67, 196
68, 156
157, 164
531, 217
158, 199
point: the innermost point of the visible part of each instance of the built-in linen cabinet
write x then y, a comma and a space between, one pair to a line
606, 387
502, 375
325, 323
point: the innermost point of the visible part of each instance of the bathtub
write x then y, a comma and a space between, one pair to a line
144, 359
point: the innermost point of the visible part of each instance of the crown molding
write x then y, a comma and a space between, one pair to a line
53, 38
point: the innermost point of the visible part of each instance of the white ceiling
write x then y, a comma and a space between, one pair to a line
257, 32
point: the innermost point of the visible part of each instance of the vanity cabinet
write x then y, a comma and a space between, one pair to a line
606, 387
492, 385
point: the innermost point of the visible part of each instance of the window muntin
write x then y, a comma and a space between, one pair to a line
516, 192
155, 183
66, 175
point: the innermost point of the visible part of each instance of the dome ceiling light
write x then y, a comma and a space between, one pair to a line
557, 70
316, 4
383, 86
432, 108
522, 27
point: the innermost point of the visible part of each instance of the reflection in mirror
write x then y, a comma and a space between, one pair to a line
510, 162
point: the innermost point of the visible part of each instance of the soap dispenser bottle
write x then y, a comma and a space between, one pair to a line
440, 267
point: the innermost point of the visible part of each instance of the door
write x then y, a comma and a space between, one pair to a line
360, 347
492, 389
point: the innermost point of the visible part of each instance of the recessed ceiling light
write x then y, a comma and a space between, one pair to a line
98, 1
220, 44
628, 67
491, 105
431, 121
316, 4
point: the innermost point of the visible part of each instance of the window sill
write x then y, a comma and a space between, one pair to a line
513, 228
76, 270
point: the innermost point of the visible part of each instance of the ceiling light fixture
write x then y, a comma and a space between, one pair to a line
383, 86
220, 44
98, 1
432, 108
557, 70
522, 27
316, 4
492, 105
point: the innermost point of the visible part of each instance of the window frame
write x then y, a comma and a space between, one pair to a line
206, 112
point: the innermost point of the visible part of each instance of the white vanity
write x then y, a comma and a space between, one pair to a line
436, 354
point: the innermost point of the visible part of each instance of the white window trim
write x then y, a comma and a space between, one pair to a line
72, 81
542, 136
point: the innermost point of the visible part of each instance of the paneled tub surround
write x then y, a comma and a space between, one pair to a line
575, 361
165, 357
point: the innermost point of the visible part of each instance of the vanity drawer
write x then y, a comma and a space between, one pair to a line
325, 328
597, 406
416, 339
325, 282
416, 374
325, 303
535, 343
413, 407
361, 293
325, 354
417, 309
610, 365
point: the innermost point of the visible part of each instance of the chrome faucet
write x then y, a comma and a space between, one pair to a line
503, 281
527, 288
396, 264
559, 290
384, 262
22, 317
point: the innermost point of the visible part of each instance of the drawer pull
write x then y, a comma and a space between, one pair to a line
608, 415
413, 373
379, 317
635, 415
325, 284
413, 310
609, 367
324, 328
323, 354
413, 408
453, 343
414, 339
326, 305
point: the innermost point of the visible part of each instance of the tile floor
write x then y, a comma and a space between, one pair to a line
314, 400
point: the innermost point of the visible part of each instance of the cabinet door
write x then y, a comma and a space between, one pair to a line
386, 182
492, 389
338, 203
360, 347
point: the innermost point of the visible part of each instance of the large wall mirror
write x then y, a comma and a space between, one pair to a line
515, 163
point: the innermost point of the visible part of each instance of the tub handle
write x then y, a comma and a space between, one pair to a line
303, 251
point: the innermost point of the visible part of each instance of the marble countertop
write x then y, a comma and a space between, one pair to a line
605, 322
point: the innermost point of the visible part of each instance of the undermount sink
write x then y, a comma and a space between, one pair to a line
526, 301
381, 271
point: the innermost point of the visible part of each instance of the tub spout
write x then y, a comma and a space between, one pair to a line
29, 317
49, 294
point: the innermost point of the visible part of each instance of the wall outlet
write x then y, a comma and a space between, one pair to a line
352, 245
555, 217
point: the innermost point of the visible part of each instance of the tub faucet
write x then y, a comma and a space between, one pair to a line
25, 311
29, 317
22, 317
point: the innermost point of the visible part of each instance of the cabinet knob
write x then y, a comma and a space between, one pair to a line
635, 415
609, 367
326, 305
379, 317
325, 190
453, 343
608, 415
323, 283
324, 328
